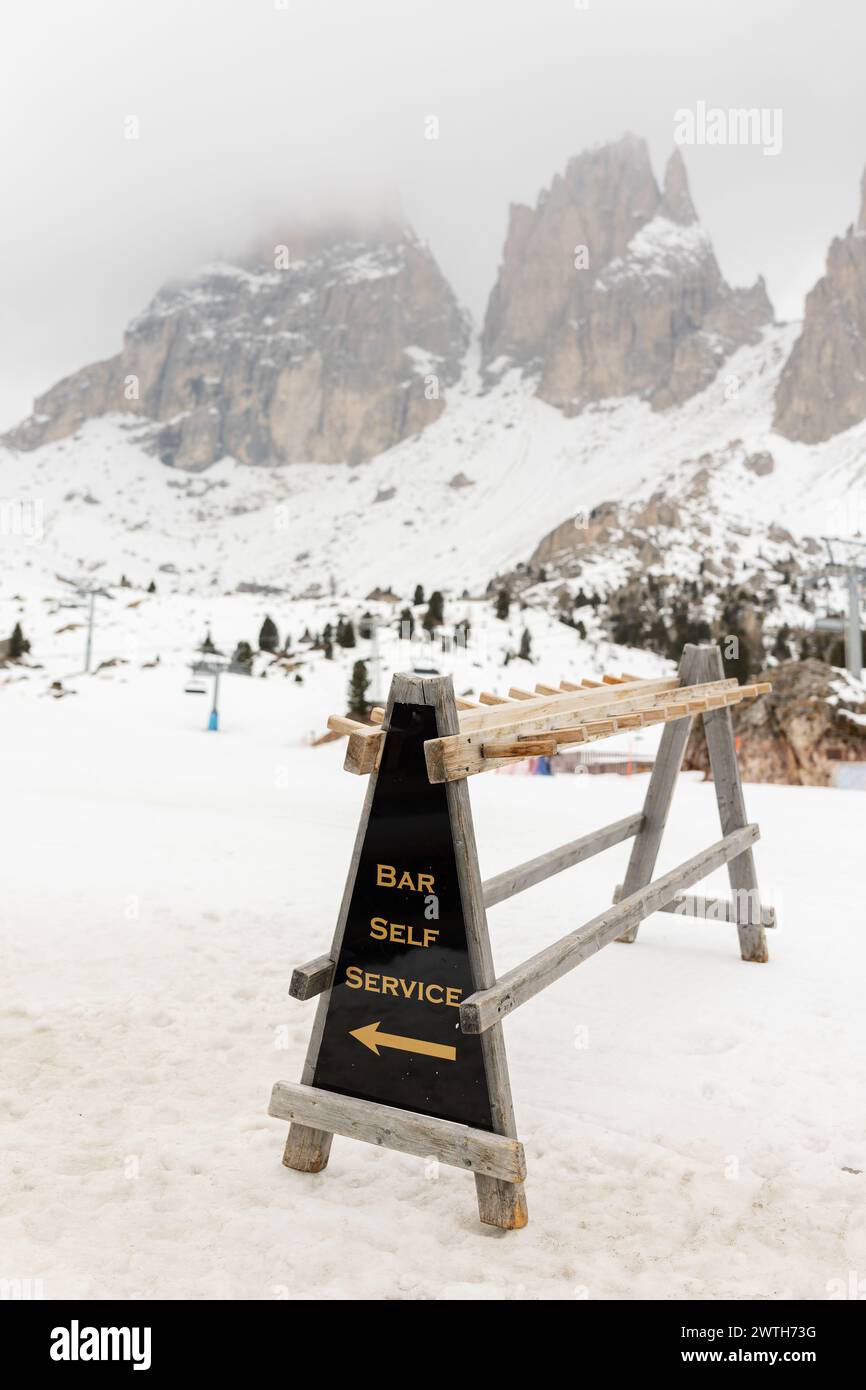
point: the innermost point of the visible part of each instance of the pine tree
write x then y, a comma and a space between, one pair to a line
407, 624
243, 654
358, 685
419, 594
151, 588
525, 652
346, 633
503, 604
435, 615
328, 649
18, 644
207, 646
269, 637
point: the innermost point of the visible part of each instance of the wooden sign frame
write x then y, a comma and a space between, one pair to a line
497, 1158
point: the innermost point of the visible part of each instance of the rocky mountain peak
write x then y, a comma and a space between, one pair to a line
327, 345
822, 389
676, 197
610, 287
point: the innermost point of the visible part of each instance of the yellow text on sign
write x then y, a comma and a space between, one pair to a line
373, 983
406, 934
387, 876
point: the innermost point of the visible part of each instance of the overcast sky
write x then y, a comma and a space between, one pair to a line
254, 109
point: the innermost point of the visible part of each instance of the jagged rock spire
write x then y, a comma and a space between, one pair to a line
676, 197
609, 287
822, 389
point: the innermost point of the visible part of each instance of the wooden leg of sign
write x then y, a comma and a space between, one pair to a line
307, 1150
725, 768
500, 1203
663, 780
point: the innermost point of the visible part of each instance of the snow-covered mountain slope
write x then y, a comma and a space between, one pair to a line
469, 497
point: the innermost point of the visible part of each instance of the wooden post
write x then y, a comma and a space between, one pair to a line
663, 780
719, 729
500, 1203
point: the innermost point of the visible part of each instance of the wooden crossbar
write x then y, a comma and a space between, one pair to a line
465, 754
311, 979
489, 1006
570, 717
523, 876
703, 909
492, 1155
556, 697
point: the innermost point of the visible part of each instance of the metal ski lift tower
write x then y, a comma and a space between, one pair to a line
91, 594
849, 561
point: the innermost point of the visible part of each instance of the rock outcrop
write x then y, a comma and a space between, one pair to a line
610, 287
814, 719
822, 389
335, 357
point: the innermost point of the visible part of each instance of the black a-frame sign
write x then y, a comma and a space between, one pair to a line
392, 1029
387, 1060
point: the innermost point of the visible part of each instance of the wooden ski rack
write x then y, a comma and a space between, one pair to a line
505, 729
447, 1095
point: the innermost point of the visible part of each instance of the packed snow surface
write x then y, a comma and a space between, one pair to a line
693, 1125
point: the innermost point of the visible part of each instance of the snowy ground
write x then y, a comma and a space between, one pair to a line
690, 1121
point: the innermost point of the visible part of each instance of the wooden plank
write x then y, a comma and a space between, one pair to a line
533, 871
310, 979
488, 698
495, 1156
706, 909
486, 1008
725, 768
542, 689
570, 707
461, 755
338, 724
501, 1203
363, 752
612, 680
576, 735
657, 802
568, 686
520, 748
516, 693
590, 685
488, 718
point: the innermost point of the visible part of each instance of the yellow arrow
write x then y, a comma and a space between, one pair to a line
370, 1036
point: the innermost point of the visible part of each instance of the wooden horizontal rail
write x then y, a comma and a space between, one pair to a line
464, 754
487, 732
493, 1155
488, 1006
492, 709
313, 978
741, 910
563, 702
516, 880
